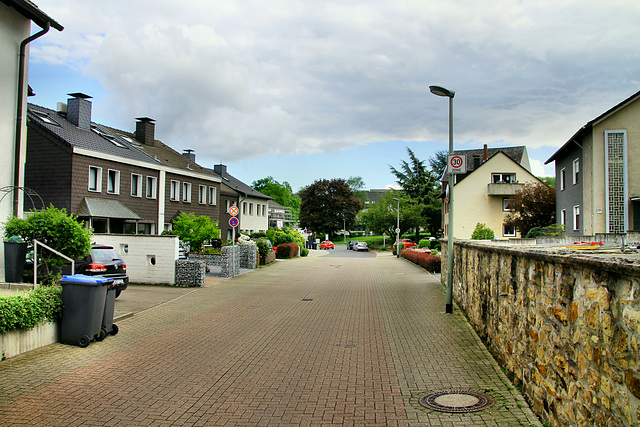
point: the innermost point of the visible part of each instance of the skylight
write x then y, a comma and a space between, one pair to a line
112, 139
45, 118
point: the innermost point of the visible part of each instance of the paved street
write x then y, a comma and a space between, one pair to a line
325, 340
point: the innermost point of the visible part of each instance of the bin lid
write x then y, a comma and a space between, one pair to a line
83, 279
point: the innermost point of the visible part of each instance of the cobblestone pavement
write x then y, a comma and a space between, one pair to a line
322, 340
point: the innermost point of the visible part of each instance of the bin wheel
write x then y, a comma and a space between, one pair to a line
114, 329
84, 341
102, 334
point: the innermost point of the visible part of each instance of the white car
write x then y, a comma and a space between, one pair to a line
361, 246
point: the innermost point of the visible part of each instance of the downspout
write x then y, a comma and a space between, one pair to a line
21, 83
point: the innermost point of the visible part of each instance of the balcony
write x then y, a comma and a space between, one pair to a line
504, 189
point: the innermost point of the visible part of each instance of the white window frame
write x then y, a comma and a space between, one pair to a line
505, 207
563, 217
152, 182
501, 175
95, 182
174, 191
576, 218
138, 186
576, 169
563, 174
213, 196
250, 208
186, 192
116, 181
244, 208
202, 194
504, 231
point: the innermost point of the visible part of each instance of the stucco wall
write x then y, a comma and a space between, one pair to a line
565, 325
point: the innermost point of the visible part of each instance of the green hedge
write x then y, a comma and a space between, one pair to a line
427, 261
28, 310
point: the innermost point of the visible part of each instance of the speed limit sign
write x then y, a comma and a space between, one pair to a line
456, 163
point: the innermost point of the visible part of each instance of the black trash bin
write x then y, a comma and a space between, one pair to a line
15, 254
83, 300
108, 327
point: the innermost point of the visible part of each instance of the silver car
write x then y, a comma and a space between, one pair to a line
361, 246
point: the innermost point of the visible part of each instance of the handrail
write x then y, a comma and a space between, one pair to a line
35, 260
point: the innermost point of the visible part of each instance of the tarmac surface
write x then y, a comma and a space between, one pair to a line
336, 338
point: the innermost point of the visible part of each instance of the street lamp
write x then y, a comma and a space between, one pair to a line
440, 91
398, 230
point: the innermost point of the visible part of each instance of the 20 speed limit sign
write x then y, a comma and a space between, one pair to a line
456, 163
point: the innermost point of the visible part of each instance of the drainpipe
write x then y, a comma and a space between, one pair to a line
21, 83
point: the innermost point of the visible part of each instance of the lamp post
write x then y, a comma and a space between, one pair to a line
398, 230
440, 91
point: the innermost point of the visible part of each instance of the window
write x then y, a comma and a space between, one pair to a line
563, 217
113, 182
45, 118
576, 218
174, 192
95, 179
264, 210
228, 205
503, 178
152, 187
244, 208
213, 196
250, 208
576, 169
202, 194
508, 231
186, 192
562, 179
507, 204
136, 185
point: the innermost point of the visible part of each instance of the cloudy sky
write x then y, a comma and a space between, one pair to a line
303, 90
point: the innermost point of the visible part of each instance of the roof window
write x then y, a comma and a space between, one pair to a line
45, 118
109, 137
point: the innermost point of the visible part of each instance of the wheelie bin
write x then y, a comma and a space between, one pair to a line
83, 299
108, 327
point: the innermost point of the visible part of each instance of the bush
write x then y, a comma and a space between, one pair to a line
30, 309
279, 237
427, 261
287, 250
482, 232
304, 252
424, 243
553, 230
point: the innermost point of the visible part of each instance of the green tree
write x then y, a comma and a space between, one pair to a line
533, 206
357, 185
56, 229
438, 162
482, 232
281, 193
327, 204
382, 217
195, 230
549, 180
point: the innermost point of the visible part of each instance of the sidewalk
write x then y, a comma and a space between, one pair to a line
322, 340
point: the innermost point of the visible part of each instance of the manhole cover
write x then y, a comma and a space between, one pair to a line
456, 401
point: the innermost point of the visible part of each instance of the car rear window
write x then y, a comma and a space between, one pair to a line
104, 255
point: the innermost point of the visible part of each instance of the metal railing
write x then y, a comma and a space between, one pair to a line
35, 260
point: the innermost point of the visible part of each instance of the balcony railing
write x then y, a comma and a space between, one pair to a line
504, 189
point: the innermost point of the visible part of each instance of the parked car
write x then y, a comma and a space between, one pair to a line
351, 244
408, 243
327, 244
361, 246
106, 262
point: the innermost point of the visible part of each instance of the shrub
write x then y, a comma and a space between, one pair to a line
287, 250
424, 243
427, 261
553, 230
482, 232
304, 252
25, 311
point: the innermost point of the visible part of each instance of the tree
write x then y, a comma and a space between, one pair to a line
482, 232
195, 230
533, 206
281, 193
326, 206
356, 184
438, 163
382, 217
549, 180
421, 185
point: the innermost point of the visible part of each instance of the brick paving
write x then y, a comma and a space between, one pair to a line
323, 340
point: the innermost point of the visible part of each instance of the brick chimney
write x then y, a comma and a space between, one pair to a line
485, 154
189, 154
145, 131
220, 170
79, 110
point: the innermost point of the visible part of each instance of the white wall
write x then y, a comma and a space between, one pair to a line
150, 259
255, 221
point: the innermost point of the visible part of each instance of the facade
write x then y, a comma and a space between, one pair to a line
483, 194
279, 216
598, 173
116, 181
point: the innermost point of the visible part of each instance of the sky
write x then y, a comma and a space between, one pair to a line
321, 89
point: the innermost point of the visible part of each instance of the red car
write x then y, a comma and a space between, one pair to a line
408, 243
327, 244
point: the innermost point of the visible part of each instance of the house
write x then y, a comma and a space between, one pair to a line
113, 180
279, 216
484, 193
252, 204
598, 173
16, 17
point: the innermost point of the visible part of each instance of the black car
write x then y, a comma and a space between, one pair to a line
106, 262
352, 243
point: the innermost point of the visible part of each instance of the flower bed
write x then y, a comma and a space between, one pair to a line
423, 258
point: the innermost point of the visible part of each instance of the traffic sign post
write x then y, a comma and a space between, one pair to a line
234, 211
457, 163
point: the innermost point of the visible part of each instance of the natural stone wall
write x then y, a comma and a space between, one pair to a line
248, 256
190, 272
209, 259
564, 324
230, 261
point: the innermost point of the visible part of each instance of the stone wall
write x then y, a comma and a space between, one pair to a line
231, 261
564, 324
190, 272
248, 256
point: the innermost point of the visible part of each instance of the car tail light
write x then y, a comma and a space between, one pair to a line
96, 268
124, 267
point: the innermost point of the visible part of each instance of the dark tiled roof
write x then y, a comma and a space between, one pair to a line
99, 139
29, 10
373, 196
239, 186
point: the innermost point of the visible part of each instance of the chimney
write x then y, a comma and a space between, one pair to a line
485, 154
79, 110
188, 153
220, 170
145, 131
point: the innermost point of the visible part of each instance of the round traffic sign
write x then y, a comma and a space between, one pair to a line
233, 221
233, 210
456, 162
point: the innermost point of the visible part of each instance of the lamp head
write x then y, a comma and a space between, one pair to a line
440, 91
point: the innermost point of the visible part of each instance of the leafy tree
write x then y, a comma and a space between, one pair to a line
383, 217
438, 163
356, 183
482, 232
422, 186
549, 180
325, 205
195, 230
533, 206
56, 229
281, 193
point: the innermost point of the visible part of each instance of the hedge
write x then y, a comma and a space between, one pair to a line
30, 309
427, 261
288, 250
